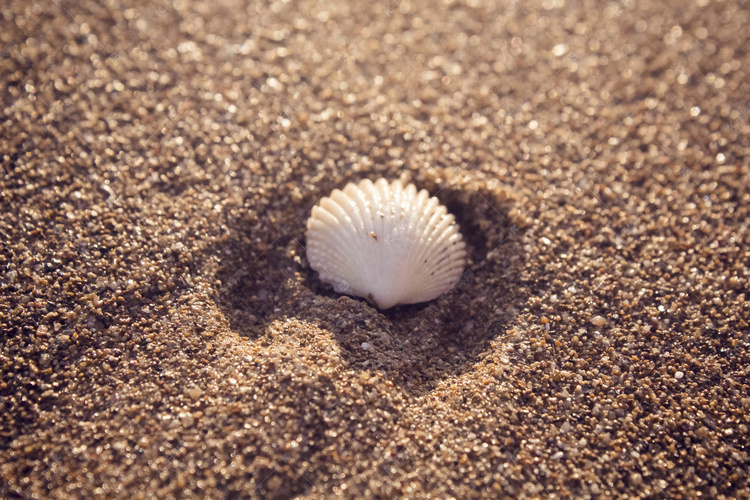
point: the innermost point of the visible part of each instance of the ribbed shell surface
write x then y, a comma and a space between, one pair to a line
385, 241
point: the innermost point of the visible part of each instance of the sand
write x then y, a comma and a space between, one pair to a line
162, 334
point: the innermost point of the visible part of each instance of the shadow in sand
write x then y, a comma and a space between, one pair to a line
415, 346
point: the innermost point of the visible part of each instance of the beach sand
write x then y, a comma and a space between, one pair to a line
162, 334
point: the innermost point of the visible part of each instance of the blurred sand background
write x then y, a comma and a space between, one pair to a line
163, 336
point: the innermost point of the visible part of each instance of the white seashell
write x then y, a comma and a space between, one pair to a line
385, 242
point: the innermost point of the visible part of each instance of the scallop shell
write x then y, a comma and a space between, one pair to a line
386, 242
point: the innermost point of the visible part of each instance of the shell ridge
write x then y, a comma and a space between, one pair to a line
436, 238
440, 261
383, 215
372, 200
337, 260
443, 240
447, 278
360, 200
350, 204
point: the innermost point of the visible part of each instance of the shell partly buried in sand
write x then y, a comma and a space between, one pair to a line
386, 242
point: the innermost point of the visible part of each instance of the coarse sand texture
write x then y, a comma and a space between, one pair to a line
163, 333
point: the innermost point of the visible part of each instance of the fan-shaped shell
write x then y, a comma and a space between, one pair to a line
385, 241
